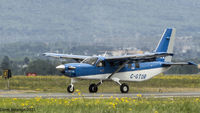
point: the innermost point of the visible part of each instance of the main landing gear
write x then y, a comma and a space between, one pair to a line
93, 88
70, 88
124, 88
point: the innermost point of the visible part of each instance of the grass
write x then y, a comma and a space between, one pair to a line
110, 105
172, 83
161, 83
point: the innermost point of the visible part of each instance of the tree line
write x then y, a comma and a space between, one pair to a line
38, 66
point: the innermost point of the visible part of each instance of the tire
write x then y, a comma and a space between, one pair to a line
124, 88
70, 89
93, 88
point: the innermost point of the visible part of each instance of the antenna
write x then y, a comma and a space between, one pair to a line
125, 52
105, 54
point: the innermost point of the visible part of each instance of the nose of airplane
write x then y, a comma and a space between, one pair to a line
60, 67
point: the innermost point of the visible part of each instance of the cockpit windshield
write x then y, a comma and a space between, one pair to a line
91, 60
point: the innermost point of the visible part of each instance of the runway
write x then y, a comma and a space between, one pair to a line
99, 95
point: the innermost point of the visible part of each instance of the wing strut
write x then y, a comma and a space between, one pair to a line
120, 67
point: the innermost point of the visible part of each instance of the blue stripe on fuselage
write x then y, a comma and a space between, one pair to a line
87, 69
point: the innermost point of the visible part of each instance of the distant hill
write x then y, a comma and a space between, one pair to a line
111, 23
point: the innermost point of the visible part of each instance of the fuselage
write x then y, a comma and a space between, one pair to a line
130, 72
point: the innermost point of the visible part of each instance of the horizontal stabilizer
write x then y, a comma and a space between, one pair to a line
179, 63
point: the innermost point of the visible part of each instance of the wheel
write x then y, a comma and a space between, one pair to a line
93, 88
124, 88
70, 89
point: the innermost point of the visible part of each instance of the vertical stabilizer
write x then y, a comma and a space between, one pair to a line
166, 43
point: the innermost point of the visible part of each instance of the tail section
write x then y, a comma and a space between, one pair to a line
166, 43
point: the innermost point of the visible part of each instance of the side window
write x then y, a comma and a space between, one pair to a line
137, 65
129, 65
101, 64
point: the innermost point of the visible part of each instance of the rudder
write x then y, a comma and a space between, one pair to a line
166, 43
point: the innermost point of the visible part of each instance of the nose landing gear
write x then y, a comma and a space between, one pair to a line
70, 88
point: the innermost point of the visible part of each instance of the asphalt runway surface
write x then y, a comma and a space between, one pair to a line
98, 95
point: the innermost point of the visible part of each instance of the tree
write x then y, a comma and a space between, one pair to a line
5, 63
42, 67
26, 60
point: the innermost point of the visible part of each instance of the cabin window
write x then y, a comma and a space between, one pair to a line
101, 64
137, 65
91, 60
129, 65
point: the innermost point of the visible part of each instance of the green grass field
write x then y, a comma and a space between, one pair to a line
161, 83
111, 105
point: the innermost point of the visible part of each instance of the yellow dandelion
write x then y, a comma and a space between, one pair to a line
130, 109
14, 98
110, 103
122, 99
139, 95
37, 99
77, 90
26, 104
117, 99
66, 101
22, 104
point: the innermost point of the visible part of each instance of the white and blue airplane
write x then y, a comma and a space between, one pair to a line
138, 67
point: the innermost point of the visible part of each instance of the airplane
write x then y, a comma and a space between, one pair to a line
119, 69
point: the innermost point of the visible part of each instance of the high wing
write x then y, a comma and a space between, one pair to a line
66, 56
137, 58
